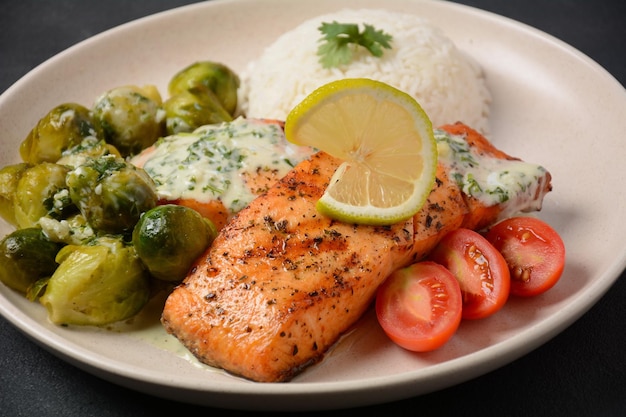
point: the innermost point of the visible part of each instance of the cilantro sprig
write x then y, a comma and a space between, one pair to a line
340, 40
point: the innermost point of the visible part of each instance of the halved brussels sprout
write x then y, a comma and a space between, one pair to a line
215, 76
96, 284
190, 109
130, 118
111, 193
9, 178
41, 191
26, 255
170, 238
64, 126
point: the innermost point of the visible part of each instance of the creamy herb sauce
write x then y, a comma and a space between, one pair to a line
209, 163
513, 184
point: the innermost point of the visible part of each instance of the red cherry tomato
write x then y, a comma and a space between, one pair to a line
419, 307
534, 252
481, 270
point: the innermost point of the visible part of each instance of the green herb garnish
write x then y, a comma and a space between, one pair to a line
342, 39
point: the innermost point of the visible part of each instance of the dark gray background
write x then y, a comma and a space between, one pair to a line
580, 372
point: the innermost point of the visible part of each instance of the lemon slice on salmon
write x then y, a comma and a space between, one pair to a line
385, 142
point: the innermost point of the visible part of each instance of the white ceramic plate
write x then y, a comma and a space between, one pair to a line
552, 105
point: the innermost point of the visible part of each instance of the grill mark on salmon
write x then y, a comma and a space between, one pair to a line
281, 283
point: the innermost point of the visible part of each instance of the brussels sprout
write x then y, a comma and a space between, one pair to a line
169, 238
41, 191
214, 76
111, 193
130, 118
90, 147
96, 284
190, 109
9, 178
26, 255
63, 127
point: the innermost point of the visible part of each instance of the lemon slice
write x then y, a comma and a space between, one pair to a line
386, 143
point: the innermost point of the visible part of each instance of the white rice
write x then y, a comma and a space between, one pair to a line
423, 62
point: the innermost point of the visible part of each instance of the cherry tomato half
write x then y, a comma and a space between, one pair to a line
534, 252
481, 270
419, 307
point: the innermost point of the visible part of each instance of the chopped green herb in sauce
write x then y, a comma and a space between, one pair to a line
490, 180
210, 163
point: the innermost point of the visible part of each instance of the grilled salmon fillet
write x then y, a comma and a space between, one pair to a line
281, 283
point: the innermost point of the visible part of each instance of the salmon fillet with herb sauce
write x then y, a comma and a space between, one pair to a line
218, 169
281, 283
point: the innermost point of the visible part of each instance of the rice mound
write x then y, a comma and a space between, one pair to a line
422, 62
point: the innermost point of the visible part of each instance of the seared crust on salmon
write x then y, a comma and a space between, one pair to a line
281, 283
